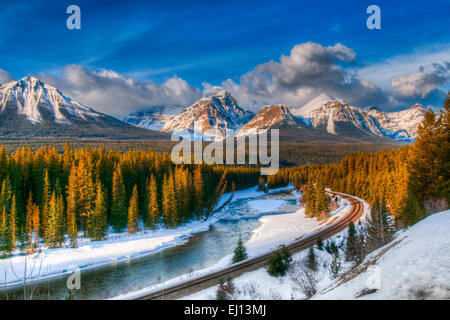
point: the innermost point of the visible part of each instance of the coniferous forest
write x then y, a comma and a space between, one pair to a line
49, 198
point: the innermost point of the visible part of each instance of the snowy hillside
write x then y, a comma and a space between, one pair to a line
414, 265
218, 115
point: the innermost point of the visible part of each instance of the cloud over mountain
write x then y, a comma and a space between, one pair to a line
421, 85
115, 94
5, 76
309, 69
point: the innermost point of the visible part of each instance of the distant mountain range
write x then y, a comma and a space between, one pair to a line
30, 108
322, 119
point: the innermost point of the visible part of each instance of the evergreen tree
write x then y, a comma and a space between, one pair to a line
336, 265
5, 245
72, 206
352, 247
12, 223
320, 244
118, 206
133, 211
278, 263
168, 203
199, 190
98, 221
240, 253
53, 227
380, 229
153, 205
312, 263
221, 293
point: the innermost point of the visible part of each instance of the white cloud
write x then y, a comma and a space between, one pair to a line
5, 76
297, 78
112, 93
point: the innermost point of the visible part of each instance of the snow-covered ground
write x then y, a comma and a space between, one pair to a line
415, 265
116, 248
275, 230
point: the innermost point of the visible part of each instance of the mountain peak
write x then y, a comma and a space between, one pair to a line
323, 98
417, 106
39, 102
219, 112
268, 117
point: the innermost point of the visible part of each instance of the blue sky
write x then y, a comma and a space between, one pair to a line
215, 41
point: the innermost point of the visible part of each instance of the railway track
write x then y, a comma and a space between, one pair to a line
235, 270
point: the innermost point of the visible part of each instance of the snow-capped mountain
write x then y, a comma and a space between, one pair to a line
31, 108
154, 118
268, 117
400, 125
305, 110
340, 118
337, 117
38, 101
216, 117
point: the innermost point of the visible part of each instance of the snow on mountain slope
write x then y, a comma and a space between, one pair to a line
400, 125
34, 98
154, 118
305, 110
218, 116
268, 117
336, 117
414, 266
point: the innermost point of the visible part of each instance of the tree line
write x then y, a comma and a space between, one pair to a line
48, 197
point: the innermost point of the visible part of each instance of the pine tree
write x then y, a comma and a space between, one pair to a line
72, 206
47, 193
240, 253
199, 190
312, 263
168, 203
221, 293
278, 263
352, 247
320, 244
54, 234
28, 232
380, 230
336, 265
119, 205
98, 223
4, 235
153, 205
35, 230
12, 223
133, 212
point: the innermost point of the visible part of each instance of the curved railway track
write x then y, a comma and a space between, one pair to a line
235, 270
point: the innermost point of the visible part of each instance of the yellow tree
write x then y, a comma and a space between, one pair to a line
133, 211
